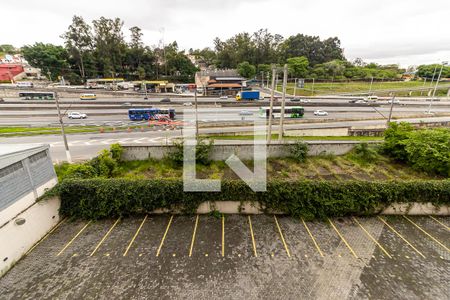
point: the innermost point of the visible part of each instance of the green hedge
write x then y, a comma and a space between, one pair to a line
100, 198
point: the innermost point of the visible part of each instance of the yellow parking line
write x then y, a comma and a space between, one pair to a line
445, 226
193, 236
223, 235
104, 238
282, 237
397, 233
135, 235
426, 233
253, 236
73, 239
45, 236
372, 238
312, 238
343, 239
164, 236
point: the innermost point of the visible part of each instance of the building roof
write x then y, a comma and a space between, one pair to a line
12, 153
229, 78
224, 85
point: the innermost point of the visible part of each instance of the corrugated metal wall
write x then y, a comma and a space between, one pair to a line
24, 177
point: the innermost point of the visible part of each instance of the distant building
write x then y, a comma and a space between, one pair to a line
219, 82
15, 67
26, 171
407, 76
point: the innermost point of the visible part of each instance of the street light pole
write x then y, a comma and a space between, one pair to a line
444, 63
283, 102
371, 82
196, 115
295, 87
390, 110
66, 145
274, 73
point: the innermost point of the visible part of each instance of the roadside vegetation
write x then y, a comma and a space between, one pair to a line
411, 166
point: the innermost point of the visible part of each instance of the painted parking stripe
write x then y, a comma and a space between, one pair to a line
312, 238
45, 236
399, 235
164, 236
74, 238
343, 239
427, 234
135, 235
282, 237
193, 236
223, 235
437, 221
372, 238
104, 238
253, 236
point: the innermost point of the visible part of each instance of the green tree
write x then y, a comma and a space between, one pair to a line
298, 66
394, 138
49, 58
427, 71
245, 69
78, 41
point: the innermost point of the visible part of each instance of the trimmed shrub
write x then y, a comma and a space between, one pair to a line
299, 151
100, 198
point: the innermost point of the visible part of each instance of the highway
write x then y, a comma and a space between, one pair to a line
85, 146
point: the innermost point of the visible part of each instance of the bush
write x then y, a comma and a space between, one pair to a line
100, 198
299, 151
82, 171
425, 149
116, 151
429, 150
363, 154
202, 152
394, 137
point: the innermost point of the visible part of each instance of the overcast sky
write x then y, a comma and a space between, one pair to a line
408, 32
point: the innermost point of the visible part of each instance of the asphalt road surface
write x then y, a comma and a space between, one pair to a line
87, 145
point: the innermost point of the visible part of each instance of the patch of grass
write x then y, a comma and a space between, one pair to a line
30, 131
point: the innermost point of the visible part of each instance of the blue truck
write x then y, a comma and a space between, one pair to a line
247, 95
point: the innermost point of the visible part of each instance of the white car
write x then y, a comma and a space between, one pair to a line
187, 104
360, 101
223, 97
396, 101
320, 113
76, 115
305, 100
245, 113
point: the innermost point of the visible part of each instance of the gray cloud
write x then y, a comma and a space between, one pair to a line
382, 30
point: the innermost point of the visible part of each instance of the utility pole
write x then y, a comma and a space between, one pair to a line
66, 145
432, 80
312, 90
262, 79
390, 110
283, 102
196, 115
274, 73
444, 63
371, 82
295, 87
425, 81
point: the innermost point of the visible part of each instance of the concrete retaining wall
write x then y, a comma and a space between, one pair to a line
243, 151
24, 230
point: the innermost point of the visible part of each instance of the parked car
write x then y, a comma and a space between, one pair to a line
76, 115
245, 113
320, 113
165, 100
305, 100
187, 104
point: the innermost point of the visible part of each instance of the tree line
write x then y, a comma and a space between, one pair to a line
99, 50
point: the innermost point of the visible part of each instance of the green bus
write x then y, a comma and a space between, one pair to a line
37, 95
293, 112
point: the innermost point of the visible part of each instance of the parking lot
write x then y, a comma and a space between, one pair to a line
236, 257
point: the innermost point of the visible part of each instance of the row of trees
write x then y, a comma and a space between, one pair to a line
100, 50
336, 69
